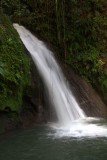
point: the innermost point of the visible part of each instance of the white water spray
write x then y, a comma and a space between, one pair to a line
63, 101
72, 121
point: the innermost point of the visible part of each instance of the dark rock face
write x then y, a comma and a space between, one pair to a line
34, 100
86, 96
7, 122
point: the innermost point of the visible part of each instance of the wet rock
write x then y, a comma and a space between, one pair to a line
87, 97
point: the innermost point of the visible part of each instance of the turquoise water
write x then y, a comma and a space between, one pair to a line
39, 143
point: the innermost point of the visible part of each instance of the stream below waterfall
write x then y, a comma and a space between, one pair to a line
42, 143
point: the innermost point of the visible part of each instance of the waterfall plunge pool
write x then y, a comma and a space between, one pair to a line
48, 143
74, 137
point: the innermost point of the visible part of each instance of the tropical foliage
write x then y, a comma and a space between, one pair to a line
76, 29
14, 67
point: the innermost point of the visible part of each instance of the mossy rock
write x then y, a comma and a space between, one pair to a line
14, 67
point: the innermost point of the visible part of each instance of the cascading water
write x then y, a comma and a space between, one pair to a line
65, 104
72, 121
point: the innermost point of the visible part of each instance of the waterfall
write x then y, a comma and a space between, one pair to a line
60, 95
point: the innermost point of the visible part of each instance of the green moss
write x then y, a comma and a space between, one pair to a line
14, 67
